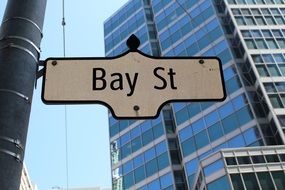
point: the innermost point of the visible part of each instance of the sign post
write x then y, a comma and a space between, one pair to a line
21, 34
132, 85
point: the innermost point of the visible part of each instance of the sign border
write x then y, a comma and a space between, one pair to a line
75, 102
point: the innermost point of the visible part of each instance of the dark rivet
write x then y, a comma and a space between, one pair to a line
201, 61
54, 63
136, 108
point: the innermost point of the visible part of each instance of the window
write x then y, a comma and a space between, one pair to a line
135, 132
281, 43
229, 73
166, 180
271, 44
149, 154
250, 44
280, 20
154, 185
267, 33
230, 123
205, 105
114, 129
185, 133
279, 179
226, 110
158, 130
237, 141
236, 181
261, 44
243, 160
215, 131
123, 124
160, 148
138, 160
268, 58
256, 33
279, 58
251, 135
193, 49
178, 106
231, 161
282, 157
181, 116
127, 167
240, 20
225, 56
128, 180
201, 139
239, 102
265, 180
245, 11
186, 28
255, 12
277, 33
221, 184
198, 126
214, 167
136, 144
139, 174
257, 58
262, 71
273, 70
265, 11
275, 101
211, 118
281, 119
236, 11
163, 161
151, 167
244, 115
282, 68
233, 85
271, 158
147, 137
188, 147
126, 150
260, 20
192, 166
269, 87
257, 159
250, 181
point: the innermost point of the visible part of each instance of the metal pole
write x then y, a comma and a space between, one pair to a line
20, 36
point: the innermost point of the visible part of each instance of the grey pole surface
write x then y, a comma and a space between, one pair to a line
20, 37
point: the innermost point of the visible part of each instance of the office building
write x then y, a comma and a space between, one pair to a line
174, 150
26, 183
90, 188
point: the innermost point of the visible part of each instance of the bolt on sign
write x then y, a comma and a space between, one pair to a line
132, 85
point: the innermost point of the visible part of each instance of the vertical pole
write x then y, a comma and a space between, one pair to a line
20, 36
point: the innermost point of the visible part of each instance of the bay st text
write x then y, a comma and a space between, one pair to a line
126, 81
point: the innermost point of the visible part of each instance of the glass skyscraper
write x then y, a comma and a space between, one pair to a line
234, 144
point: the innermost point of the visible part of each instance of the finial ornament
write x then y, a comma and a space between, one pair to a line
133, 43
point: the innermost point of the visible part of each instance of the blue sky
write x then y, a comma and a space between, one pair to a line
88, 148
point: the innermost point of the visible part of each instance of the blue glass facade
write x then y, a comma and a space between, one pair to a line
146, 153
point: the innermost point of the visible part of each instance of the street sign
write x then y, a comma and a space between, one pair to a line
132, 85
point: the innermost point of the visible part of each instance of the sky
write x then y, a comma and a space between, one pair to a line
88, 140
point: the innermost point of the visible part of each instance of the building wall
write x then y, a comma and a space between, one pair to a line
139, 150
93, 188
252, 114
243, 168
